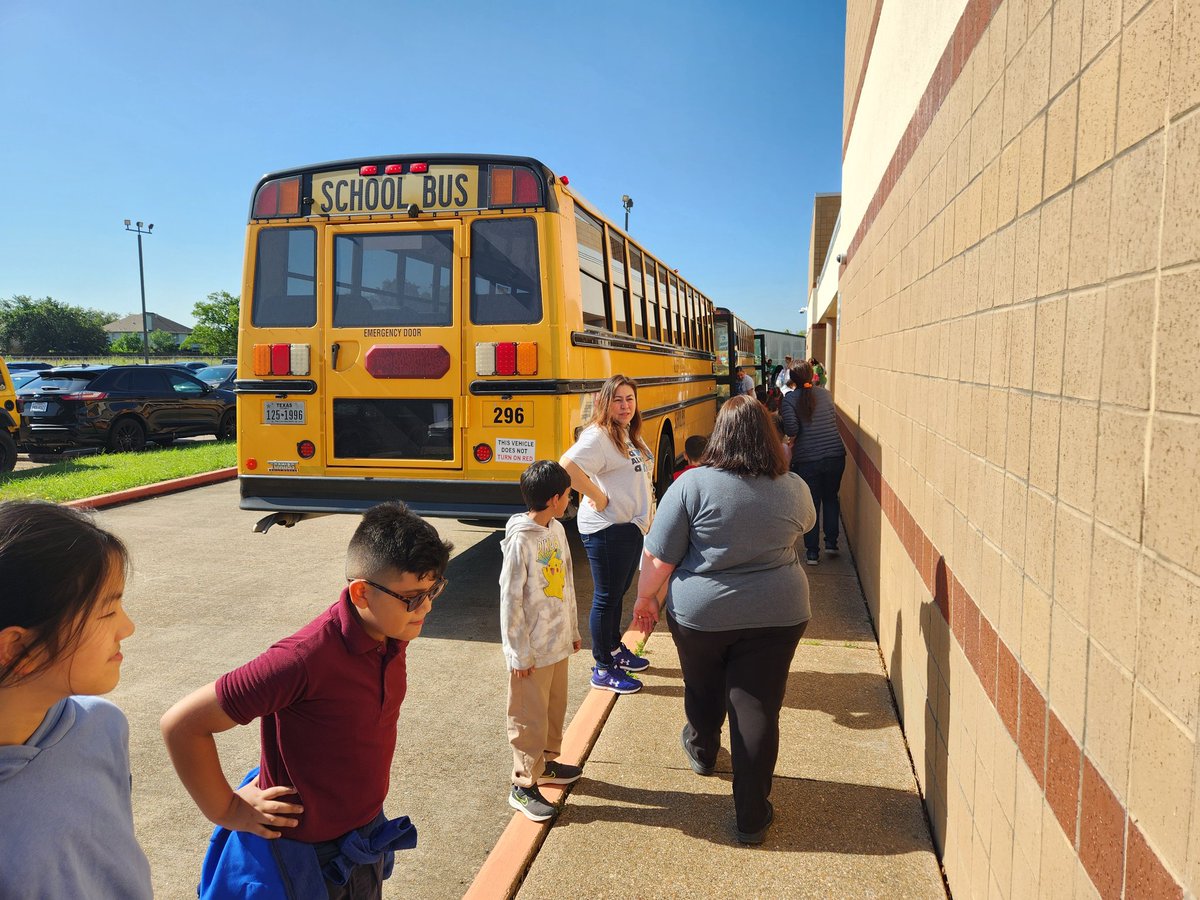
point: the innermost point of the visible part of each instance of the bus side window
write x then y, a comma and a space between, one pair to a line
285, 284
592, 281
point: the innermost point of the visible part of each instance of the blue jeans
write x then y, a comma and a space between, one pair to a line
824, 478
613, 554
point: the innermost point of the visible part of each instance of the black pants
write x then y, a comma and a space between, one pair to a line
824, 479
743, 672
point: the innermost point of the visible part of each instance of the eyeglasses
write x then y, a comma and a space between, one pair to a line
412, 603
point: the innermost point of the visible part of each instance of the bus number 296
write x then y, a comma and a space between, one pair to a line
508, 415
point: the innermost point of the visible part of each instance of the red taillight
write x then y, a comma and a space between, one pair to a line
393, 169
281, 359
506, 358
368, 170
526, 191
483, 453
252, 463
564, 179
306, 449
84, 395
266, 204
419, 168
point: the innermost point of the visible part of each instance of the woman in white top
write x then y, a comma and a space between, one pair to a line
612, 468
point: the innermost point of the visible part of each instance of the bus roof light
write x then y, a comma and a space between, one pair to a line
289, 197
527, 192
393, 169
266, 202
506, 358
368, 170
564, 179
501, 186
419, 168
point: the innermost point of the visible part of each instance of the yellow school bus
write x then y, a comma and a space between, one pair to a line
423, 327
734, 347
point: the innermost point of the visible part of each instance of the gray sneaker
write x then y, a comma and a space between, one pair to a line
560, 773
530, 802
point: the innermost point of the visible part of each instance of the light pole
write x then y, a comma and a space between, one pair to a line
627, 202
137, 229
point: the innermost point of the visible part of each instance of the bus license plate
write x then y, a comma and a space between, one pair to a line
510, 414
283, 413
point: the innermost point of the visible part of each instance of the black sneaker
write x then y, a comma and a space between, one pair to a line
560, 773
831, 550
811, 557
530, 802
698, 767
757, 837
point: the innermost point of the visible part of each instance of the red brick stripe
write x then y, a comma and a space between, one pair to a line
1108, 842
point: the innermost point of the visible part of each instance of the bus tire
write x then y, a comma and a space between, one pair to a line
666, 465
126, 435
8, 452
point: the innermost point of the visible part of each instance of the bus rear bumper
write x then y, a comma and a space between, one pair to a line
438, 499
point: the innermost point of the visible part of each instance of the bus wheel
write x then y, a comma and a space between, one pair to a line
126, 435
666, 465
8, 452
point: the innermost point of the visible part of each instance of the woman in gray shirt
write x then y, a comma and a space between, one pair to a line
728, 536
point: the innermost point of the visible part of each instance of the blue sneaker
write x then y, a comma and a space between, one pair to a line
628, 661
614, 680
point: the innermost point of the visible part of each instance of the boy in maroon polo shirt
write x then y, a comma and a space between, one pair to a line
328, 698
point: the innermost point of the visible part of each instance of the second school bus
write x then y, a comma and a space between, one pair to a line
422, 328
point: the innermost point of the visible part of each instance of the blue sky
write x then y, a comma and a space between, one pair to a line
720, 120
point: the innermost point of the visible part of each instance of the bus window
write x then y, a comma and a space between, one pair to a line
676, 316
636, 291
506, 287
393, 279
652, 326
592, 283
667, 331
285, 284
620, 305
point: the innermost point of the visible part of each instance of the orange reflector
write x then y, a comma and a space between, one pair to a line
289, 197
527, 358
502, 187
262, 359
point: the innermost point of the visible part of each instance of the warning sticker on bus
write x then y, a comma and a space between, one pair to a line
441, 188
514, 450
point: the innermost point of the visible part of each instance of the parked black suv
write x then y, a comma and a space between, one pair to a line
121, 407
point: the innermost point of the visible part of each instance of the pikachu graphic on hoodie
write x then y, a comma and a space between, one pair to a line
539, 622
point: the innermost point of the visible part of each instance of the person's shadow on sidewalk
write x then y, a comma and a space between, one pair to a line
858, 700
811, 816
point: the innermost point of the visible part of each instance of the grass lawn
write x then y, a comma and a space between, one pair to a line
103, 473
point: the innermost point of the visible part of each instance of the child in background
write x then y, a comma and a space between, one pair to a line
540, 630
693, 449
328, 698
65, 799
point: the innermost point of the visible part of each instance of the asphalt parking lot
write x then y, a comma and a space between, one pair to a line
207, 594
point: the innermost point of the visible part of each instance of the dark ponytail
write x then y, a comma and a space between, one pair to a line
802, 377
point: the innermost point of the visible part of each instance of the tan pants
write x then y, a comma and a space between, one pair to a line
537, 706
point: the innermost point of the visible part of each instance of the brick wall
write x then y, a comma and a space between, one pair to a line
1016, 381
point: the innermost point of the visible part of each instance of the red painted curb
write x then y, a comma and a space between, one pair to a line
504, 869
154, 490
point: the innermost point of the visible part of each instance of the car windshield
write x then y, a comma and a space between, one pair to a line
214, 373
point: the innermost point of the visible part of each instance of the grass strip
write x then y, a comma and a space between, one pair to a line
103, 473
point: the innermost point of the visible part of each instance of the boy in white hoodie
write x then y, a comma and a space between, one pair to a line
540, 629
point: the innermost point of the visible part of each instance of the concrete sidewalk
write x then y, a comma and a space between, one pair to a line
848, 818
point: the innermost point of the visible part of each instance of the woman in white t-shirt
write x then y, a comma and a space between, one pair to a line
611, 466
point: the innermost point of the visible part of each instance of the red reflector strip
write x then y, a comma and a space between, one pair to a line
419, 168
368, 170
393, 169
506, 358
407, 361
526, 192
267, 202
281, 359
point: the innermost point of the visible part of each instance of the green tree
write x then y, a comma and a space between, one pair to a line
127, 343
52, 326
216, 328
161, 342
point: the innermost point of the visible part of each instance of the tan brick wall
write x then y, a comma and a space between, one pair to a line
1020, 340
861, 16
